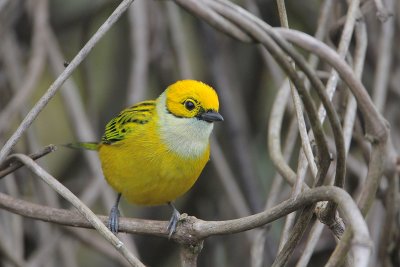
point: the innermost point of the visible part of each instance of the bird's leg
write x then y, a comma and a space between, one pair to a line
113, 219
174, 220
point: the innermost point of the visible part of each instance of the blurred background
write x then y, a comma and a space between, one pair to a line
154, 44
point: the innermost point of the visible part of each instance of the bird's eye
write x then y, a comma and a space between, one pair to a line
189, 105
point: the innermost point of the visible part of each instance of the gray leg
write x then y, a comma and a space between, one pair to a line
173, 221
113, 219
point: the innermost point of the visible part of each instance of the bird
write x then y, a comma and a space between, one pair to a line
154, 151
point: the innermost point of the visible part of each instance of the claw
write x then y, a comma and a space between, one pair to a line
113, 219
173, 222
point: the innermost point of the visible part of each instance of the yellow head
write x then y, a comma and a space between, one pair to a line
190, 99
186, 111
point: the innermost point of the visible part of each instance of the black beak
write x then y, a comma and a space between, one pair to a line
210, 116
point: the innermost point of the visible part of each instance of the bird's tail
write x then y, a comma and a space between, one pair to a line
83, 145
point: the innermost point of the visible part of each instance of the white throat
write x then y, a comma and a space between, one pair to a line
188, 137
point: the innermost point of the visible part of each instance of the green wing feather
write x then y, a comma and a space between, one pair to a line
119, 127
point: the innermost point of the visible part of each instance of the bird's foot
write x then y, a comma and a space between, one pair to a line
173, 222
113, 220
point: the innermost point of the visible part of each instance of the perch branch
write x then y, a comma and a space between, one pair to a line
191, 230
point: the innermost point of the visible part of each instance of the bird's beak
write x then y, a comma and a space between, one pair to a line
210, 116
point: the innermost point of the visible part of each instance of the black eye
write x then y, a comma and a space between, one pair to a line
189, 105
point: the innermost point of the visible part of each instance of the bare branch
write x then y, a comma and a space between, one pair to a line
15, 165
192, 229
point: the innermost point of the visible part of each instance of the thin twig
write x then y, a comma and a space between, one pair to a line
15, 165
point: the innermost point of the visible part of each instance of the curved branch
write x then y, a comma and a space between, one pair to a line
191, 230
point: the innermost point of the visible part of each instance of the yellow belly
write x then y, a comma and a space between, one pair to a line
146, 172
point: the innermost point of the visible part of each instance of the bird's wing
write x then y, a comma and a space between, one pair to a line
126, 122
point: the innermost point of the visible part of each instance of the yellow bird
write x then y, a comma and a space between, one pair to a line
154, 151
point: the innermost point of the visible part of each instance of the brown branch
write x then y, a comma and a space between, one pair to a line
10, 166
192, 230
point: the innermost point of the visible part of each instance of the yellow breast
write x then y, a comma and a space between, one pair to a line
145, 169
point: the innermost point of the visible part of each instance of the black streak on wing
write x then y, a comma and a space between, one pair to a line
126, 122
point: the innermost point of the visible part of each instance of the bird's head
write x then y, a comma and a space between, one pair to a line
193, 99
187, 110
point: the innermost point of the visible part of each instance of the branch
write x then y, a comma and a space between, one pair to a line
14, 165
192, 230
